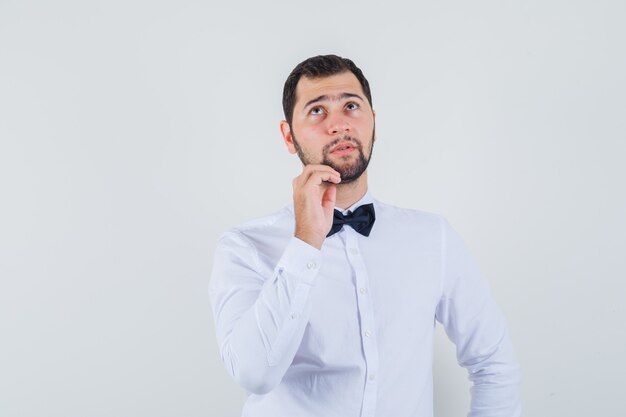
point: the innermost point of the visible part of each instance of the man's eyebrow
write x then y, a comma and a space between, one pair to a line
334, 98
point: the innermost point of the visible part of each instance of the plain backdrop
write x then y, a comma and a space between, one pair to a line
133, 133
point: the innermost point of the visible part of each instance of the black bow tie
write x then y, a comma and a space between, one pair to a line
361, 220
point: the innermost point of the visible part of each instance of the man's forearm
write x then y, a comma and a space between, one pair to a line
260, 321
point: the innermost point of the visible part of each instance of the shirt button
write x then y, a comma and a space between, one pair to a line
311, 265
362, 290
372, 377
368, 333
293, 315
354, 251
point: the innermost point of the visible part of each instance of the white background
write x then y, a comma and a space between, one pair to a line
134, 132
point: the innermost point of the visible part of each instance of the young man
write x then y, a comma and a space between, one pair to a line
328, 307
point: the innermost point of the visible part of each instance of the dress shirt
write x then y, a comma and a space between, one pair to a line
348, 330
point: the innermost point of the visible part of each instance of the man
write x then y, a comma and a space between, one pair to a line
328, 307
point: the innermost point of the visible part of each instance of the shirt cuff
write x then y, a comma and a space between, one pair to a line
301, 260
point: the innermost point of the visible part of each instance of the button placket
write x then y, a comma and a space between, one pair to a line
366, 317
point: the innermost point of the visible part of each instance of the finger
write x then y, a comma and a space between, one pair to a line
319, 177
310, 169
318, 167
326, 173
329, 197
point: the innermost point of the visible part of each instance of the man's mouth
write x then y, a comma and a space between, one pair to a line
342, 149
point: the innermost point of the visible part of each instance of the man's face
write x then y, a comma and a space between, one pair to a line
333, 124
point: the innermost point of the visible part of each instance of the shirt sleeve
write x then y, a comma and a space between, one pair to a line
476, 325
260, 318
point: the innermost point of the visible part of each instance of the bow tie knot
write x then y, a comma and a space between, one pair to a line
361, 220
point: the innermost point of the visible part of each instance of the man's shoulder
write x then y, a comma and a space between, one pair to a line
279, 223
406, 214
275, 219
399, 224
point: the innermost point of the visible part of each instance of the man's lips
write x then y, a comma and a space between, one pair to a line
343, 148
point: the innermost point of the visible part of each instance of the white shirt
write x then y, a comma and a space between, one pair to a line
348, 330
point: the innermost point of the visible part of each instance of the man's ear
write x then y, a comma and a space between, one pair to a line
287, 136
374, 114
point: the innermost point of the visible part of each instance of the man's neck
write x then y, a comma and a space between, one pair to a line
348, 194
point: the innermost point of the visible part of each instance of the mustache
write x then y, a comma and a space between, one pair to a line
345, 138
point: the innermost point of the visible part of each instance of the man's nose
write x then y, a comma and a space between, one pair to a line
337, 123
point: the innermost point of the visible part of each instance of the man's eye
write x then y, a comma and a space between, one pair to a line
352, 106
316, 110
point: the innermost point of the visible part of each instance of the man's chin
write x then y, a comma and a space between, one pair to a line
348, 173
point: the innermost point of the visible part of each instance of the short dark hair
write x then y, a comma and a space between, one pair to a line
317, 67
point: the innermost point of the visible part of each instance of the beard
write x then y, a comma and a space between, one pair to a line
349, 171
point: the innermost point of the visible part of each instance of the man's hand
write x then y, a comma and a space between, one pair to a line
314, 194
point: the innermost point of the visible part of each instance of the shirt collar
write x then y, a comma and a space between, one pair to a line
366, 199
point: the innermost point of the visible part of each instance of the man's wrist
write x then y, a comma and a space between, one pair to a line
311, 238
